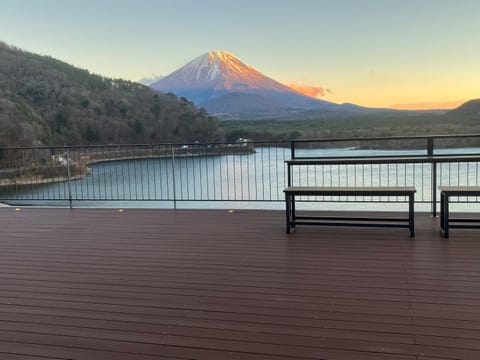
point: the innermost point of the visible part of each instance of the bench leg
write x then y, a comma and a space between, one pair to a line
288, 212
411, 215
445, 217
442, 212
292, 206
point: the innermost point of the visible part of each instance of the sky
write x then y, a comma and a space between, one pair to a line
378, 53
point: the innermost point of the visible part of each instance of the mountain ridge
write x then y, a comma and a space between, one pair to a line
468, 108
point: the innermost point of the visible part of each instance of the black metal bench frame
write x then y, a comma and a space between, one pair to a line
446, 222
293, 219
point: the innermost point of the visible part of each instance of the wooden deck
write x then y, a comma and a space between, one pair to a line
203, 284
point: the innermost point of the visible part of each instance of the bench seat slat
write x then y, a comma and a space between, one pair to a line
351, 218
318, 190
460, 190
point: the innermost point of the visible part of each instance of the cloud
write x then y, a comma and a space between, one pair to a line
308, 90
150, 79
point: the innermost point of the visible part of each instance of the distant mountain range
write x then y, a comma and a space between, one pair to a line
227, 87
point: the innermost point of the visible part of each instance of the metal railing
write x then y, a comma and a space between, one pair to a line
239, 171
425, 162
252, 172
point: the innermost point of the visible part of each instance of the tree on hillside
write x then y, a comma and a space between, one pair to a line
81, 108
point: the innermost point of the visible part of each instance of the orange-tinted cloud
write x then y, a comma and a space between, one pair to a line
428, 105
312, 91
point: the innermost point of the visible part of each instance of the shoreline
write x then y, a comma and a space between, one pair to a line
87, 160
35, 181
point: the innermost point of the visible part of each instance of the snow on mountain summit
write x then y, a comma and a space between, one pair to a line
217, 70
214, 66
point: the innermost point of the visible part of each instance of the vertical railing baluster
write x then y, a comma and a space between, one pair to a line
67, 152
173, 179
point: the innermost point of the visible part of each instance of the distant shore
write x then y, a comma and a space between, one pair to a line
80, 168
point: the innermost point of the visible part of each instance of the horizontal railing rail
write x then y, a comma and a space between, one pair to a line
242, 171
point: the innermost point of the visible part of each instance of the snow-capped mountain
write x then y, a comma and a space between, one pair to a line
223, 84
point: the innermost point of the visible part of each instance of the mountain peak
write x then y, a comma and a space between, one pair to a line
220, 68
222, 55
217, 73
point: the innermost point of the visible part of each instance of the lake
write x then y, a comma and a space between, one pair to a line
254, 180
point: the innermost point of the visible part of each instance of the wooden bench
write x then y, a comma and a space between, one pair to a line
445, 221
293, 219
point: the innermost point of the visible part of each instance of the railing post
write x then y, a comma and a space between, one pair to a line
434, 176
430, 146
69, 176
289, 175
173, 178
292, 149
434, 188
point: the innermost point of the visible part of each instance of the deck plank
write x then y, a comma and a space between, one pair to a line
211, 284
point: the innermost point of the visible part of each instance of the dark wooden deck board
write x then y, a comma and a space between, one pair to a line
206, 284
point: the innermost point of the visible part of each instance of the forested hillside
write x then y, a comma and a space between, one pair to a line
44, 101
470, 109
